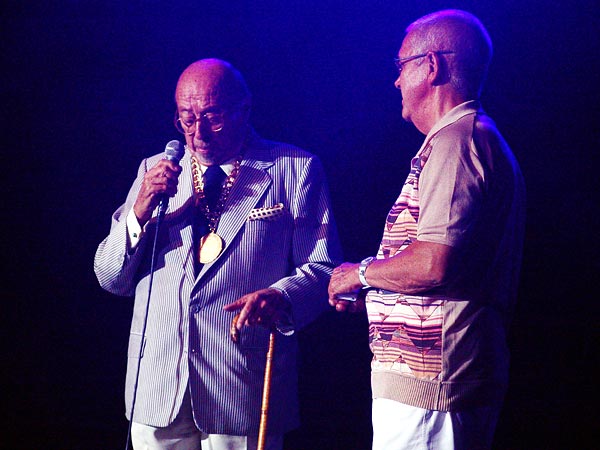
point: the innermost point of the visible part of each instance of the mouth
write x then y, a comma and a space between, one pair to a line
202, 146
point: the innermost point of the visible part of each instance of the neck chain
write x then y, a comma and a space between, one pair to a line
214, 215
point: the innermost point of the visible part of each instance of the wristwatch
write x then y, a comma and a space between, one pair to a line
362, 268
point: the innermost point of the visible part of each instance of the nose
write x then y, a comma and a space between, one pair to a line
397, 83
203, 131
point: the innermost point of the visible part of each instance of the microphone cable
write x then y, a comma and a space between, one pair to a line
145, 323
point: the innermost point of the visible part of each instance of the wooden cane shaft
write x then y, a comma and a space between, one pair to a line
262, 431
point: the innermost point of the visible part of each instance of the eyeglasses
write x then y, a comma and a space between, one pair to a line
189, 124
401, 61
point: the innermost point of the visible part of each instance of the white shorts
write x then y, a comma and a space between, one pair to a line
183, 434
397, 426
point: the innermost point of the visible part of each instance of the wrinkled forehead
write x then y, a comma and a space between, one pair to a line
207, 89
201, 94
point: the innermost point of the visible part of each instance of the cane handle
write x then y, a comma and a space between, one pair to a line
233, 331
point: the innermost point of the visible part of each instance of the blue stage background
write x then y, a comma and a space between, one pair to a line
87, 92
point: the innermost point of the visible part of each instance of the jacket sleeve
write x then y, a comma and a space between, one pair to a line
114, 264
315, 245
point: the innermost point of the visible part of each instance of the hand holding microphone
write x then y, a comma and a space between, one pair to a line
173, 153
159, 184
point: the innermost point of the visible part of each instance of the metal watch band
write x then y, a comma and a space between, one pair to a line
362, 269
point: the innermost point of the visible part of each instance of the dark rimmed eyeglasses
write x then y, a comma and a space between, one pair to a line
401, 61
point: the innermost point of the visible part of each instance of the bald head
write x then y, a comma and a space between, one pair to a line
216, 79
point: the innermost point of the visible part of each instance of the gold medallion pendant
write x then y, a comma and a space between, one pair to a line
211, 246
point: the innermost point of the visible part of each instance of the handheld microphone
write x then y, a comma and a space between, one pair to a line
173, 152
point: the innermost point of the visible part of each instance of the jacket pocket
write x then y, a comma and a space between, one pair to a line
254, 343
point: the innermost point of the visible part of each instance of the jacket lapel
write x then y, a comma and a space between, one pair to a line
252, 182
181, 209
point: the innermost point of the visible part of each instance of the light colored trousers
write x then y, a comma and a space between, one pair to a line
397, 426
183, 434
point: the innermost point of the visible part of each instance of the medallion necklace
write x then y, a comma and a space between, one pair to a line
211, 244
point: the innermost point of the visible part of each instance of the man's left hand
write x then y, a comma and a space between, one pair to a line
263, 307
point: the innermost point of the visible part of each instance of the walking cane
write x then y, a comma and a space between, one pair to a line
264, 410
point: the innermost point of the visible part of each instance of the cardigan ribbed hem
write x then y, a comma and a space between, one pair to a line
434, 394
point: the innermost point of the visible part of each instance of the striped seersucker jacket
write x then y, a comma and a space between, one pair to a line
187, 337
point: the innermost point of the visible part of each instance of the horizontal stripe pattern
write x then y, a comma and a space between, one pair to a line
449, 352
405, 332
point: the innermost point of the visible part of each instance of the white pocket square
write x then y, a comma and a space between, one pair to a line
267, 212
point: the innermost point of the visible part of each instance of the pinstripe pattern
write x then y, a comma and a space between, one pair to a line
188, 332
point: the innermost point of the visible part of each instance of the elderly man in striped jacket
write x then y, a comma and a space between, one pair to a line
248, 230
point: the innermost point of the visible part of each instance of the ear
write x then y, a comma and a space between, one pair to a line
438, 70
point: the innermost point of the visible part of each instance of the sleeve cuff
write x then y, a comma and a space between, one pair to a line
286, 325
134, 231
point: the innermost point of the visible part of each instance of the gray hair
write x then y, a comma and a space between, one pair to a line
463, 34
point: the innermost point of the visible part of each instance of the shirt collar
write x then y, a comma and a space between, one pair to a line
227, 167
459, 111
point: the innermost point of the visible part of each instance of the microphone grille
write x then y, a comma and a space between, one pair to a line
174, 151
